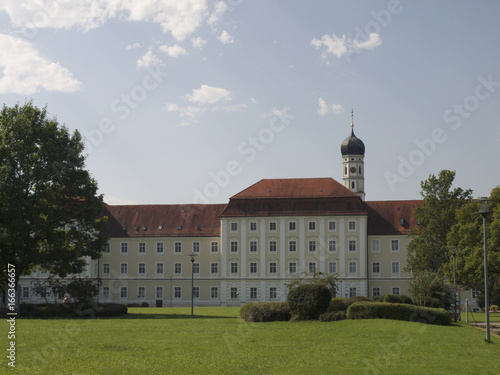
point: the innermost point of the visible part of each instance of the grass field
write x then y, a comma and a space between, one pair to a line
217, 341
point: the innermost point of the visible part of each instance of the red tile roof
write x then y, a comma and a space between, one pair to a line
384, 217
189, 220
298, 196
295, 188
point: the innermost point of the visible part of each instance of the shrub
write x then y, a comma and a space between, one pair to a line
341, 304
494, 308
398, 311
144, 304
265, 312
308, 301
45, 311
332, 316
393, 298
133, 304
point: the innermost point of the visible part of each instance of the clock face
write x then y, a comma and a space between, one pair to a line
353, 169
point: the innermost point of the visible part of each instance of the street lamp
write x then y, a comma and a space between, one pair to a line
192, 255
454, 254
484, 209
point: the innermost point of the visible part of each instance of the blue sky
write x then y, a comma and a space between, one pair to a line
193, 101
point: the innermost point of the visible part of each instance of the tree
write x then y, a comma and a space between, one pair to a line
50, 286
431, 290
319, 278
428, 249
466, 236
82, 291
50, 213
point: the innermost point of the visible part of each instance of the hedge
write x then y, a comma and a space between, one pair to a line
341, 304
265, 312
398, 311
393, 298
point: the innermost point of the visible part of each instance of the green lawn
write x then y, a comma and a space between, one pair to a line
167, 341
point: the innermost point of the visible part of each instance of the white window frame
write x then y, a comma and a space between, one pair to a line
395, 268
214, 292
123, 292
214, 268
377, 264
106, 267
196, 247
162, 269
332, 245
233, 268
214, 247
273, 293
273, 268
105, 292
177, 268
141, 248
159, 295
160, 248
143, 266
254, 268
396, 290
353, 267
177, 247
123, 247
233, 226
311, 225
123, 266
351, 225
376, 248
253, 246
332, 225
292, 226
253, 226
332, 267
292, 245
141, 292
395, 246
376, 291
294, 265
177, 292
273, 246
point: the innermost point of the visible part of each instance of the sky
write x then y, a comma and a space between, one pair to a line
192, 101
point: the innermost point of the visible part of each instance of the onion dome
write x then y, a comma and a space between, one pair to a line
352, 145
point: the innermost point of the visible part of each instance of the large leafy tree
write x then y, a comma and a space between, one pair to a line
428, 250
50, 212
466, 236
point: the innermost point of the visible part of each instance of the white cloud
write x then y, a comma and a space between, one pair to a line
132, 46
225, 38
208, 95
216, 16
339, 46
173, 51
203, 99
180, 18
198, 43
324, 108
149, 60
25, 72
253, 100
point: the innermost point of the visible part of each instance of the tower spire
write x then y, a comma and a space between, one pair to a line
352, 118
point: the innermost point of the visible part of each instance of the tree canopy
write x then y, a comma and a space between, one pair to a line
428, 250
50, 212
466, 236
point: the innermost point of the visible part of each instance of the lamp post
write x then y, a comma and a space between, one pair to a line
454, 254
192, 255
484, 209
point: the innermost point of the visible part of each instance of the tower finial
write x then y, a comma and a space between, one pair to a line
352, 118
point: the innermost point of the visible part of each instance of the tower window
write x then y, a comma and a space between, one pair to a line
353, 185
359, 170
345, 170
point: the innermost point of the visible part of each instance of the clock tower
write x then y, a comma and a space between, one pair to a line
353, 168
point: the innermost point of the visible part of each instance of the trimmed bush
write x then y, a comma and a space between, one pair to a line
144, 304
258, 312
341, 304
332, 316
308, 301
398, 311
393, 298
